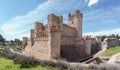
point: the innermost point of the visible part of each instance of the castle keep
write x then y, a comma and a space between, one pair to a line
58, 40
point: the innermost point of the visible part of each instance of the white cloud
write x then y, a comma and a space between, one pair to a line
106, 32
92, 2
105, 18
17, 26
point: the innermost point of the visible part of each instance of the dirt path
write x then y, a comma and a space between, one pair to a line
114, 58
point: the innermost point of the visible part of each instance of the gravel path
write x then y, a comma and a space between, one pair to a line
115, 58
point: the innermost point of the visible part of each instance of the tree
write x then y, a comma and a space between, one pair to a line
103, 37
2, 40
110, 36
12, 41
117, 36
18, 42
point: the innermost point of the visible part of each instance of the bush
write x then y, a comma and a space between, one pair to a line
26, 62
7, 53
1, 50
60, 64
47, 63
77, 67
105, 67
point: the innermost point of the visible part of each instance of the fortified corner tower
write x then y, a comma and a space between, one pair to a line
75, 20
54, 27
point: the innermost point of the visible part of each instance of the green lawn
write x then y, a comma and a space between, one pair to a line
7, 64
111, 51
1, 49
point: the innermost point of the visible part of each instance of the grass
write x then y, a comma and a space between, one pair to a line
111, 51
1, 49
6, 64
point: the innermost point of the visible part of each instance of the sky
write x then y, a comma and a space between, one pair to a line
17, 17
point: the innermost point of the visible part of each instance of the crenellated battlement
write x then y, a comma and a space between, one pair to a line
39, 25
32, 34
44, 38
87, 37
39, 28
54, 23
25, 40
77, 14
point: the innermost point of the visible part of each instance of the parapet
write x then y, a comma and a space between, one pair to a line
39, 28
69, 26
97, 36
44, 38
53, 18
25, 40
32, 33
38, 25
60, 17
74, 15
87, 37
77, 13
98, 39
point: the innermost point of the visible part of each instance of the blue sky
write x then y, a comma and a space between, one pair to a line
17, 17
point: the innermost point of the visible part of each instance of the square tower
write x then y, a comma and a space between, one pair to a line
54, 29
75, 20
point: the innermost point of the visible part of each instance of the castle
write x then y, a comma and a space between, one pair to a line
58, 40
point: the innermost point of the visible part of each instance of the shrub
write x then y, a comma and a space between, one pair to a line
77, 67
26, 62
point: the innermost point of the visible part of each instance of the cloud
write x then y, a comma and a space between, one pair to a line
106, 32
101, 19
17, 26
92, 2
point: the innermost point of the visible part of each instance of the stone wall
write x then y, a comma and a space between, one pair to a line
95, 45
46, 30
32, 33
24, 42
110, 42
54, 45
76, 51
39, 49
72, 52
68, 31
87, 44
41, 46
67, 40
